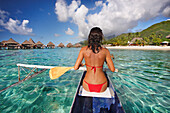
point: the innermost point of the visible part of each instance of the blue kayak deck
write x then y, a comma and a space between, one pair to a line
87, 104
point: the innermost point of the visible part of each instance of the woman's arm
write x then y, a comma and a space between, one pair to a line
79, 60
109, 61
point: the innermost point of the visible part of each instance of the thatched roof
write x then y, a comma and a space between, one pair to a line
61, 45
77, 45
69, 45
39, 43
1, 43
26, 42
4, 41
31, 41
50, 44
11, 41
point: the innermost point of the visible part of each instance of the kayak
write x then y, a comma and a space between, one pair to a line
92, 102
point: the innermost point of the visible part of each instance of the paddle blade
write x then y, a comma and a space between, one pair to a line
56, 72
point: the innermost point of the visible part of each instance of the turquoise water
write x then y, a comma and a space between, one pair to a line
142, 82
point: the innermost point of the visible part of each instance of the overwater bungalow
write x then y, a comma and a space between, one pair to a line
3, 42
12, 44
33, 44
61, 45
39, 45
77, 45
1, 45
50, 45
44, 46
69, 45
26, 45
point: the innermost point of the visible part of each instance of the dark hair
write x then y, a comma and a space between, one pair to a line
95, 39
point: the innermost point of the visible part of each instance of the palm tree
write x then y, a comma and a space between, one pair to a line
138, 34
160, 36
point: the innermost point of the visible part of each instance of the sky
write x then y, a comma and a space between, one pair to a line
71, 20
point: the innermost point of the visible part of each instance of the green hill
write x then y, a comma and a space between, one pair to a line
153, 35
159, 28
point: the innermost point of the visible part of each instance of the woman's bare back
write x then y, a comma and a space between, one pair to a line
97, 60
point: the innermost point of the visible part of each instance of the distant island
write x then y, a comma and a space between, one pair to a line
156, 35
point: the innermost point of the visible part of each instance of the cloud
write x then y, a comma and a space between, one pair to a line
14, 26
3, 14
18, 12
115, 16
166, 12
69, 31
56, 35
61, 10
99, 3
49, 13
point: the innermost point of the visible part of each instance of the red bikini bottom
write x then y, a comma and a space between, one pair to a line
95, 87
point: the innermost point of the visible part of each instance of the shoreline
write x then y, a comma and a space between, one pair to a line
140, 47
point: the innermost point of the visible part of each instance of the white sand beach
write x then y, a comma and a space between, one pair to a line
140, 47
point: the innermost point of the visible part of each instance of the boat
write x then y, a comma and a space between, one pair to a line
84, 101
32, 71
91, 102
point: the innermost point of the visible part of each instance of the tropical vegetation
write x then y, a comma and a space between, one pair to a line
153, 35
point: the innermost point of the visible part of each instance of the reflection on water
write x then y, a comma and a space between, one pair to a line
142, 82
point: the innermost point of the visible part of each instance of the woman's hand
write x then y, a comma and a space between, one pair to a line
116, 70
81, 64
112, 56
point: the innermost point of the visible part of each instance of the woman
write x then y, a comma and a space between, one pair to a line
95, 56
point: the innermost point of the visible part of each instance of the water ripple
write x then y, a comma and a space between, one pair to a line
142, 82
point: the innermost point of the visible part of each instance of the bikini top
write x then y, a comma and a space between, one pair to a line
94, 67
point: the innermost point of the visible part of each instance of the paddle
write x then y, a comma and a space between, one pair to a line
56, 72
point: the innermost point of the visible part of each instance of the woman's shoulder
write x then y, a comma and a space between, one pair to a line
105, 49
84, 48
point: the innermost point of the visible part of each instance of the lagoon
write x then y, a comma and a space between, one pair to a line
142, 82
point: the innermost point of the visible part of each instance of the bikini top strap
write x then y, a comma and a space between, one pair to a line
94, 67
